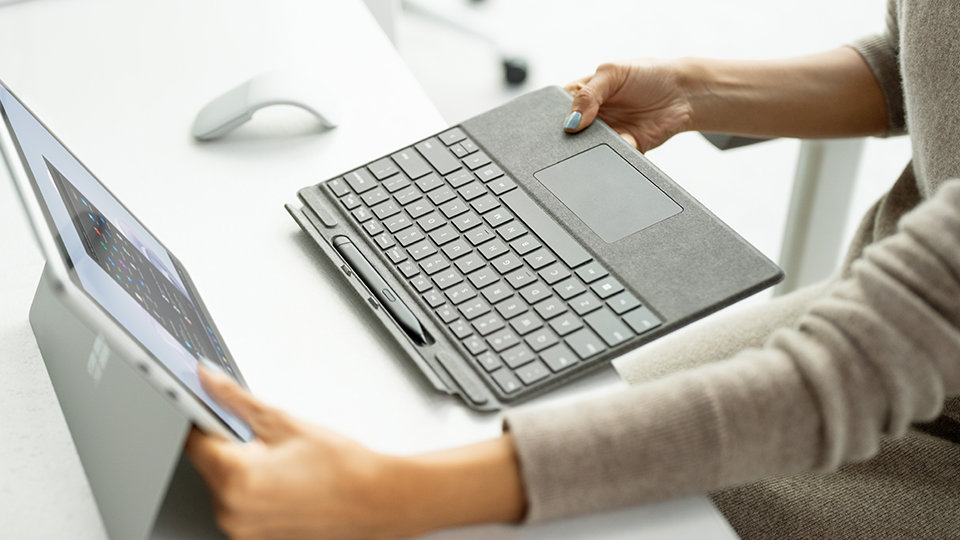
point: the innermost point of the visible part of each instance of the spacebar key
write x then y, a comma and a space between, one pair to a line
549, 231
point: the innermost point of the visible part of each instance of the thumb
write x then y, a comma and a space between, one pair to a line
265, 420
589, 96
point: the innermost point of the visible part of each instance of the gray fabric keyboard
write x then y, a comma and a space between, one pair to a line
524, 299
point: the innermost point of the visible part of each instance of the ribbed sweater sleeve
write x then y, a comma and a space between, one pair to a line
879, 352
882, 54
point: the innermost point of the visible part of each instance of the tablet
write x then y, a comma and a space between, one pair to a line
113, 273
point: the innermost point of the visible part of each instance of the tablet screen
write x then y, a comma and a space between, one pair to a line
118, 262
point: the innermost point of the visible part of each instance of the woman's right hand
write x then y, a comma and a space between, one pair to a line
643, 100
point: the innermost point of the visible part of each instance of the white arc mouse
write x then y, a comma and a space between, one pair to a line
235, 107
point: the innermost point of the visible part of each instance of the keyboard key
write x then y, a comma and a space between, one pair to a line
409, 236
551, 307
501, 185
541, 339
350, 202
591, 272
442, 195
566, 323
497, 217
456, 249
507, 263
453, 208
373, 228
476, 160
421, 250
396, 182
434, 264
473, 309
408, 269
433, 298
411, 162
607, 287
520, 278
466, 221
503, 339
584, 304
471, 191
383, 168
447, 314
480, 235
517, 356
497, 292
397, 222
362, 214
461, 329
444, 234
421, 284
385, 209
488, 324
641, 320
419, 208
488, 173
459, 295
396, 255
485, 204
533, 372
407, 195
585, 343
535, 292
526, 323
469, 263
458, 150
558, 357
483, 278
447, 279
569, 288
460, 178
489, 360
475, 345
507, 381
489, 250
451, 136
385, 241
510, 231
429, 182
338, 186
374, 196
525, 244
554, 273
360, 180
539, 258
431, 221
511, 307
469, 146
623, 302
438, 155
550, 232
608, 326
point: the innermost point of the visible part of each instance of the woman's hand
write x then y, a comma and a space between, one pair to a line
643, 100
294, 481
297, 480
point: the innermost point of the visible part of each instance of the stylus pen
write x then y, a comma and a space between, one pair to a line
372, 279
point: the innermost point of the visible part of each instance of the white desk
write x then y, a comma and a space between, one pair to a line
119, 82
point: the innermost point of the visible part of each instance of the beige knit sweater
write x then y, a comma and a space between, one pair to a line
810, 382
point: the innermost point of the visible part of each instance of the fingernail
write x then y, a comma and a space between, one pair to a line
572, 121
211, 365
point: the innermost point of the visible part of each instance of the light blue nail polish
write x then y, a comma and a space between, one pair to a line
210, 364
572, 121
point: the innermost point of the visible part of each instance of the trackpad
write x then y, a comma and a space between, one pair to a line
605, 191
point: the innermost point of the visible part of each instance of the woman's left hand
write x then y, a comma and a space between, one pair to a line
294, 481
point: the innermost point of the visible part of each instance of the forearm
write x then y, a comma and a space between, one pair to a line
479, 483
830, 94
